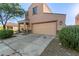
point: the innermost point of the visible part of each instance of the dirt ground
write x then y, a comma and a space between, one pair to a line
56, 49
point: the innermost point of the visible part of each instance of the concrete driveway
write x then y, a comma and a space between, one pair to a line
24, 45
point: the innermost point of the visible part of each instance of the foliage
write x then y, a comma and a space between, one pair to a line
10, 11
6, 33
1, 28
69, 37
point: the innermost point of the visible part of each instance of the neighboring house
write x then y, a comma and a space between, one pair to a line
40, 20
77, 20
12, 26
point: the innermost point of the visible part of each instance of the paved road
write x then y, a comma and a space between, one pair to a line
24, 45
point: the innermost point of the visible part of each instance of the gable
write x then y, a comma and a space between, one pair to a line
46, 9
39, 8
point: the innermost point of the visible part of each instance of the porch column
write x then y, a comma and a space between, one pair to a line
27, 27
24, 26
18, 27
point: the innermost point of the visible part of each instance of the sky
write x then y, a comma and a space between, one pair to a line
70, 9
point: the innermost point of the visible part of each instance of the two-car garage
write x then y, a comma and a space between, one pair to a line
48, 28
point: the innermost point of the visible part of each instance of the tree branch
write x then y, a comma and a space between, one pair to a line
7, 19
1, 19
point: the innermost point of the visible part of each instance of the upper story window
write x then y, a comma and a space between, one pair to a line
34, 10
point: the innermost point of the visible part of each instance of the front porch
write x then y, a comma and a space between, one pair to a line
23, 26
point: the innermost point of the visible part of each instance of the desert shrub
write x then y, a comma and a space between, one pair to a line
69, 37
6, 33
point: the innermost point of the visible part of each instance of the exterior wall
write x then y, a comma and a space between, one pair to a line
30, 13
46, 9
44, 14
50, 17
39, 9
15, 28
77, 20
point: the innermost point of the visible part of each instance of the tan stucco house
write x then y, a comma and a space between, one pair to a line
40, 20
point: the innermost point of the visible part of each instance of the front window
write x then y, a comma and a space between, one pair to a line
35, 10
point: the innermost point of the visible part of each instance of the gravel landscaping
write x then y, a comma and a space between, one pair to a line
55, 49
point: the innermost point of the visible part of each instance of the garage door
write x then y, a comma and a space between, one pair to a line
45, 28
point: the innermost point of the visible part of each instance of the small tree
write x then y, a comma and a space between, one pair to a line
10, 11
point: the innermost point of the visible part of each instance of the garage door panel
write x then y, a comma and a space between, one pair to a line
45, 28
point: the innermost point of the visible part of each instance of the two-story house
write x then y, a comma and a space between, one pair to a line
40, 20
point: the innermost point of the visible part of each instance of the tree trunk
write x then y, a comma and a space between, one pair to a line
4, 27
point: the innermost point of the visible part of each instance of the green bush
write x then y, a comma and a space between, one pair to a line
69, 37
6, 34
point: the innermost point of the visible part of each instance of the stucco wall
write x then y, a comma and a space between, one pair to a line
30, 12
49, 17
77, 21
15, 28
46, 9
44, 15
39, 9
